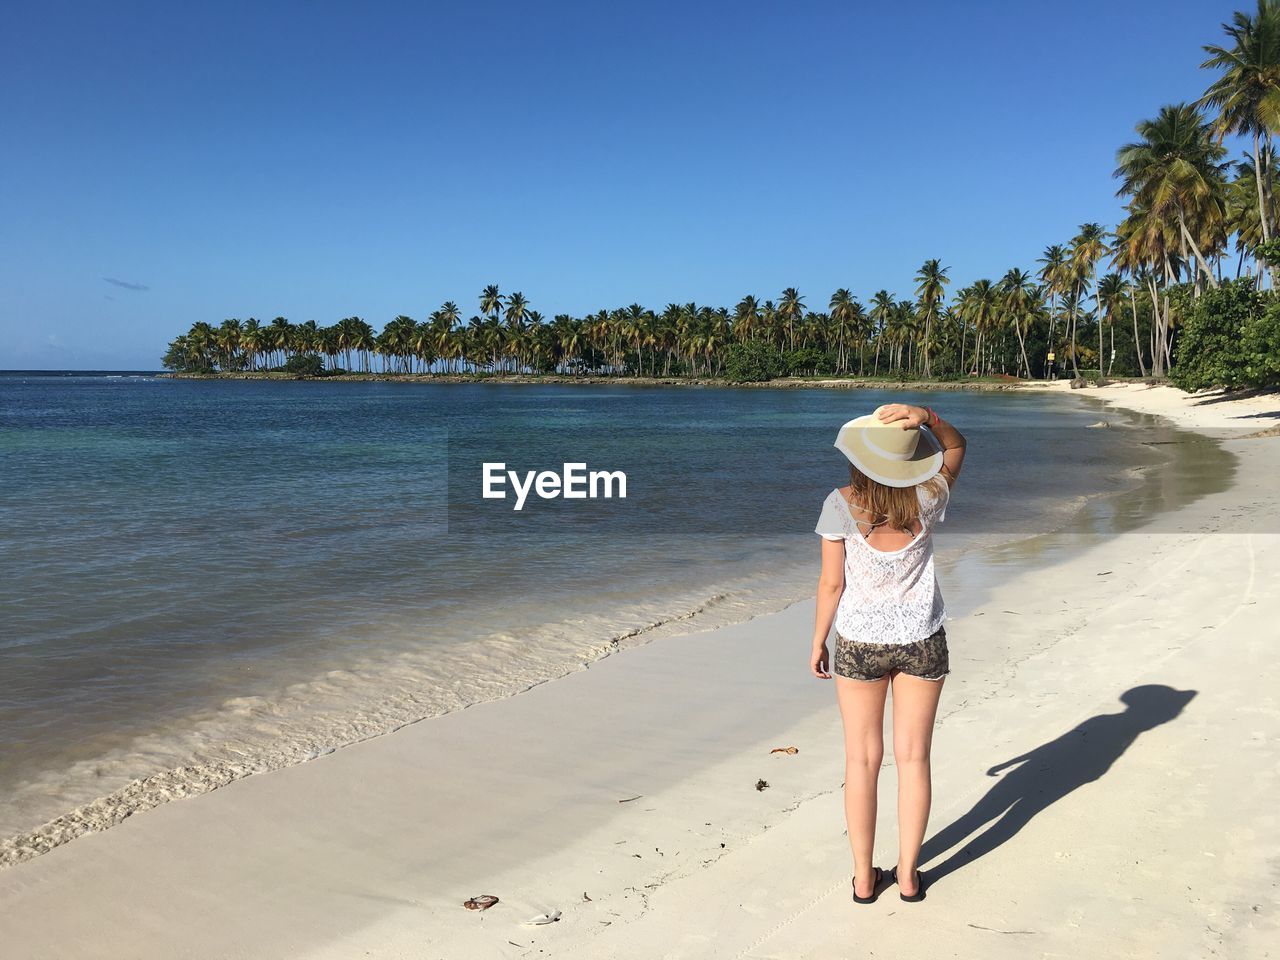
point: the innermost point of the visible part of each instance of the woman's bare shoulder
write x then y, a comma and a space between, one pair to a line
846, 494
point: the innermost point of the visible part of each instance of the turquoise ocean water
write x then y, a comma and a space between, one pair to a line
204, 579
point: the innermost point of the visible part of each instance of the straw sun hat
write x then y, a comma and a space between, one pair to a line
892, 454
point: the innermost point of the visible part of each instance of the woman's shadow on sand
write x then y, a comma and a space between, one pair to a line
1050, 772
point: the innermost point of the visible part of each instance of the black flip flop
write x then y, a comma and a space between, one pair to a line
875, 888
920, 887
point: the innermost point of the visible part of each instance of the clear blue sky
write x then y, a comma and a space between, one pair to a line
168, 163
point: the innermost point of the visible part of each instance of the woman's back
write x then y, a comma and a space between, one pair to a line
890, 592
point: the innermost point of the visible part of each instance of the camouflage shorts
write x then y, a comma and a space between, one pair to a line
863, 660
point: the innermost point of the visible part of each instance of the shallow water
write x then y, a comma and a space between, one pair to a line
230, 576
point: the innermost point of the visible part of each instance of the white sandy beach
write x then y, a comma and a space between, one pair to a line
1138, 678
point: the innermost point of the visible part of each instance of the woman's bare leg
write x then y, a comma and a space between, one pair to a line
862, 710
915, 706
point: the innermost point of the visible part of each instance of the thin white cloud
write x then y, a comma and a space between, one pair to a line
125, 284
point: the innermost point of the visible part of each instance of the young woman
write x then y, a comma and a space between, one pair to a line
877, 587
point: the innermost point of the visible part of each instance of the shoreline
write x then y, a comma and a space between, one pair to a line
375, 717
780, 383
691, 756
194, 771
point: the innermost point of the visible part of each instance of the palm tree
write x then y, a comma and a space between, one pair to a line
1175, 169
1055, 277
843, 311
308, 337
881, 312
1110, 296
948, 333
930, 281
491, 301
252, 341
905, 326
363, 341
1088, 247
517, 308
1147, 248
278, 337
1247, 94
860, 331
1019, 295
228, 341
960, 313
980, 306
1247, 211
790, 312
445, 342
746, 318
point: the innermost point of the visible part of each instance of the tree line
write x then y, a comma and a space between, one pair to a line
1113, 301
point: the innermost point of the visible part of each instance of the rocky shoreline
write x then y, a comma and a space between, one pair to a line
782, 383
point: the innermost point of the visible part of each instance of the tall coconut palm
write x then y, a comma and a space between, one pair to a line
1147, 248
491, 301
1246, 96
859, 330
362, 340
279, 338
308, 337
960, 311
1088, 247
981, 306
517, 310
930, 284
906, 320
1055, 277
790, 312
1019, 293
445, 343
327, 339
1110, 298
843, 311
746, 318
882, 304
1247, 210
1175, 168
252, 340
228, 341
948, 332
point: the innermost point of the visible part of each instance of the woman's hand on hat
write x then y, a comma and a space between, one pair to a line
903, 413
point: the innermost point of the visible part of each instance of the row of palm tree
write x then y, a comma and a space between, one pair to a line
984, 331
1187, 206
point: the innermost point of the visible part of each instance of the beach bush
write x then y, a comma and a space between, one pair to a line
753, 361
1261, 348
303, 365
809, 361
1229, 339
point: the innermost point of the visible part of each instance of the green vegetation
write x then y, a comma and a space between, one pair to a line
1231, 338
1148, 297
753, 361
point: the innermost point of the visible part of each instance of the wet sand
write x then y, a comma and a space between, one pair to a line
1134, 677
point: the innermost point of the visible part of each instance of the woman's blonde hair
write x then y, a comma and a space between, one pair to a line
895, 507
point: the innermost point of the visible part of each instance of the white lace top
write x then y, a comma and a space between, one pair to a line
890, 596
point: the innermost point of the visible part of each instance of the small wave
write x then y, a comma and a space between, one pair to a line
341, 707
